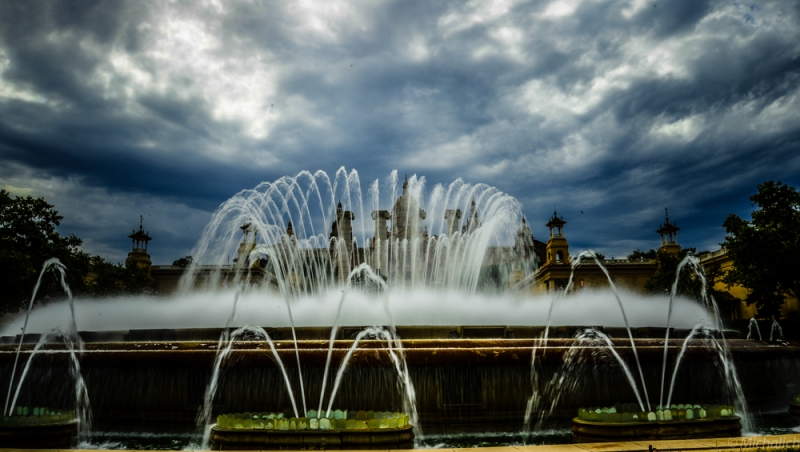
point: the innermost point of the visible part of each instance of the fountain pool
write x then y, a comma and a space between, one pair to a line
387, 313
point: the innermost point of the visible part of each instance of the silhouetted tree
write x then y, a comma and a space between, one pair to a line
28, 238
183, 262
689, 284
638, 255
727, 303
765, 250
108, 280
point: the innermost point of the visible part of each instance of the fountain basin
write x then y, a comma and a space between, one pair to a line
594, 431
163, 383
53, 435
369, 438
419, 352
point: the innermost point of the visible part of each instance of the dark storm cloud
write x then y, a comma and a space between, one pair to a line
43, 44
612, 111
102, 152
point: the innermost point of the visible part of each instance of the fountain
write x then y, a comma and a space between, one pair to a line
45, 426
299, 262
344, 429
666, 420
776, 328
625, 422
750, 326
383, 301
331, 429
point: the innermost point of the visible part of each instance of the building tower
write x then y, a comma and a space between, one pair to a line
342, 227
379, 246
341, 241
669, 236
407, 217
473, 222
524, 261
557, 247
395, 252
247, 245
523, 243
452, 216
138, 255
407, 239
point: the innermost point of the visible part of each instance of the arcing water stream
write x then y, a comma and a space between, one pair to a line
291, 217
390, 270
554, 388
393, 345
70, 339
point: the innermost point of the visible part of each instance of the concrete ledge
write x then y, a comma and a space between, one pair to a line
56, 434
745, 443
595, 431
333, 439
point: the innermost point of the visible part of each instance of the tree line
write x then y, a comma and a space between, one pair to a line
763, 250
28, 237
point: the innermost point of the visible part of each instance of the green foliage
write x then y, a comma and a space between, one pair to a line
28, 237
638, 255
765, 250
109, 280
183, 262
727, 303
689, 284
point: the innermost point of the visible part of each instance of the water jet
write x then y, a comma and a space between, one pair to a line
42, 426
384, 313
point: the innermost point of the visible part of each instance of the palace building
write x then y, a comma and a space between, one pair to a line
555, 270
397, 251
138, 255
401, 252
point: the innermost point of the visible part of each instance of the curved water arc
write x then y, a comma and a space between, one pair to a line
73, 332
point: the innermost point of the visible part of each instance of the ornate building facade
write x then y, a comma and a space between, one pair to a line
398, 247
400, 251
554, 273
138, 255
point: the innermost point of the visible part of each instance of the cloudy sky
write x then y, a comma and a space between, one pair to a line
610, 110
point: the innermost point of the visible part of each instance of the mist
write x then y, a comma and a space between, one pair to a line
409, 308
